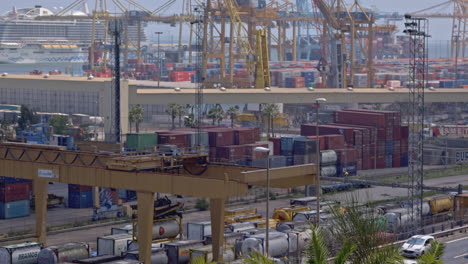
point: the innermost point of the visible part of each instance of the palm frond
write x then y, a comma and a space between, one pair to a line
317, 251
201, 260
256, 257
345, 252
434, 254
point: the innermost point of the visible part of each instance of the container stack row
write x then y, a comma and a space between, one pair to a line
81, 196
15, 197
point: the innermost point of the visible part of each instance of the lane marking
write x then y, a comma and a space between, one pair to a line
459, 256
456, 240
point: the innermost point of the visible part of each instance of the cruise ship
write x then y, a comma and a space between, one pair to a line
23, 39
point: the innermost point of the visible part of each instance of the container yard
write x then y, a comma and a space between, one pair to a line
259, 128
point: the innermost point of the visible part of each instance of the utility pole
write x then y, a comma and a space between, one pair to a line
115, 29
158, 33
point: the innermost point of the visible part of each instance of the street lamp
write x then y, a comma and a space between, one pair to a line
317, 150
159, 58
267, 237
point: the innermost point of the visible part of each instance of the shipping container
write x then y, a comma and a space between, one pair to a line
80, 199
15, 192
198, 230
14, 209
461, 206
229, 238
141, 141
79, 188
63, 253
276, 145
244, 135
113, 244
322, 140
219, 137
335, 142
231, 153
158, 255
11, 180
251, 154
347, 169
287, 144
24, 253
206, 253
275, 162
178, 252
181, 140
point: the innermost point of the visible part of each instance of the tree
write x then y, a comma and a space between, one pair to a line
173, 111
232, 113
189, 120
5, 130
136, 116
434, 254
270, 111
317, 252
216, 114
180, 112
201, 260
27, 118
60, 124
361, 226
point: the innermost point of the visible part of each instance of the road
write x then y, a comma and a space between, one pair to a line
456, 251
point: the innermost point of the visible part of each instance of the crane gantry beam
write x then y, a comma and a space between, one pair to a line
144, 174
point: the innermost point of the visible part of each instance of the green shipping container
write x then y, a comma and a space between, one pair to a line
141, 141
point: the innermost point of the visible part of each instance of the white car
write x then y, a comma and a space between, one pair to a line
416, 246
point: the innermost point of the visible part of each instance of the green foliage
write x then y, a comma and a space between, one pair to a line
173, 111
216, 114
232, 112
202, 204
27, 118
88, 133
5, 130
201, 260
256, 257
189, 120
433, 255
136, 116
60, 124
270, 111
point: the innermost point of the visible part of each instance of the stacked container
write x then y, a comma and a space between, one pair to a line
80, 196
287, 148
15, 196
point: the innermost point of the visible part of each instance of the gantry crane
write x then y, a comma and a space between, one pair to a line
459, 16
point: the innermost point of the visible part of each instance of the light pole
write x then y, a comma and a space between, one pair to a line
317, 167
267, 237
159, 58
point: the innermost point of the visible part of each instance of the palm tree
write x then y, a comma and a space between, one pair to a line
361, 227
433, 255
232, 113
135, 116
317, 252
172, 111
270, 111
216, 114
180, 112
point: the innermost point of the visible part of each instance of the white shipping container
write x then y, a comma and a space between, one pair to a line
24, 253
198, 231
62, 253
113, 244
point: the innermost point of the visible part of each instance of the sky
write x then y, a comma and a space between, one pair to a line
440, 29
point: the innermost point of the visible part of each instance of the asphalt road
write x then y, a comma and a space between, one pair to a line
456, 251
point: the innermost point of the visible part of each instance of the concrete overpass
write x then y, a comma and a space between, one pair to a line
79, 95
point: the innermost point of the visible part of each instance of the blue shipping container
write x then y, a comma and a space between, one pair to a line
275, 162
11, 180
388, 161
389, 147
80, 199
404, 160
304, 146
287, 144
14, 209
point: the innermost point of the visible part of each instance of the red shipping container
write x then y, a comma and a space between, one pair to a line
276, 145
380, 148
244, 135
323, 141
380, 162
309, 130
79, 188
219, 137
396, 147
335, 141
392, 117
368, 164
181, 140
373, 150
358, 149
360, 118
371, 133
256, 134
346, 155
396, 162
15, 192
231, 153
396, 132
404, 146
255, 155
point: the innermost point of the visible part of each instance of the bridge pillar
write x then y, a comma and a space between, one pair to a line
40, 203
145, 225
217, 228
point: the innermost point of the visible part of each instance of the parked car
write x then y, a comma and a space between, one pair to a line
416, 246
